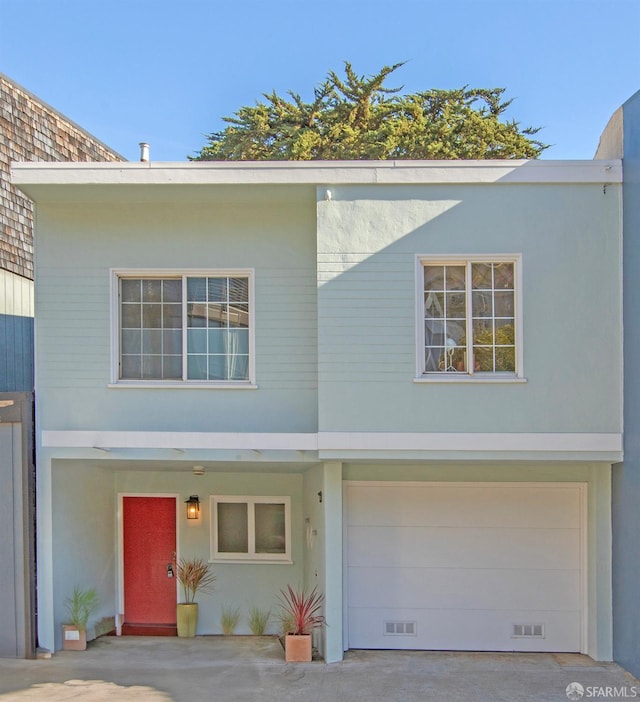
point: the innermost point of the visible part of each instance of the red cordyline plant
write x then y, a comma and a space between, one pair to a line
301, 610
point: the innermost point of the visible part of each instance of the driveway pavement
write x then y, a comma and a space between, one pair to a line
246, 668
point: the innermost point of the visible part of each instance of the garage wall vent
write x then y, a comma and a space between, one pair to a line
528, 631
401, 628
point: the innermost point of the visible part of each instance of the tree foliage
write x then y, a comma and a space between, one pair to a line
358, 117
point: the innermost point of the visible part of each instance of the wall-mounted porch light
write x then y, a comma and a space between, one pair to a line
193, 507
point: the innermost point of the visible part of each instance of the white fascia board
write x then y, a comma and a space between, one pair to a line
178, 440
317, 172
341, 442
556, 442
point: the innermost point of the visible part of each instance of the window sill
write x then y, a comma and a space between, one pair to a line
466, 378
193, 385
251, 561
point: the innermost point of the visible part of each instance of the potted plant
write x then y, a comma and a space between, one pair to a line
300, 615
80, 606
195, 575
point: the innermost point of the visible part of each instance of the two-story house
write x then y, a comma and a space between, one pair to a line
398, 381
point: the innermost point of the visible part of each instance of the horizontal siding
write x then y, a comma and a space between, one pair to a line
16, 333
75, 253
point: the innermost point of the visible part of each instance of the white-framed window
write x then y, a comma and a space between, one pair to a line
469, 317
249, 528
176, 327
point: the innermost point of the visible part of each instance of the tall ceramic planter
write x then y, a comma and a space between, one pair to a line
187, 618
297, 648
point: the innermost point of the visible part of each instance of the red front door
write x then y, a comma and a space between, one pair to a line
149, 530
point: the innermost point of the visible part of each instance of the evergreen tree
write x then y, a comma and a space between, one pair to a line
358, 117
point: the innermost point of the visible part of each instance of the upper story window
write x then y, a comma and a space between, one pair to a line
470, 317
185, 328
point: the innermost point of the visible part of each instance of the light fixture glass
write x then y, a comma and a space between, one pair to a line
193, 507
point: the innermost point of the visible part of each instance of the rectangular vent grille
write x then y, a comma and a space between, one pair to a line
528, 631
400, 628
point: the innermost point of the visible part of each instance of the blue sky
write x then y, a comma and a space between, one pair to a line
167, 71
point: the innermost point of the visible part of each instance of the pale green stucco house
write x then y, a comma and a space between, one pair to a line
403, 381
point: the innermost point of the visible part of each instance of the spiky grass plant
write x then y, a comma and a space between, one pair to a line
195, 575
229, 619
258, 620
81, 605
300, 610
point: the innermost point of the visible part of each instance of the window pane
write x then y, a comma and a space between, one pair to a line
152, 316
434, 278
482, 303
455, 305
172, 367
270, 534
131, 316
433, 305
217, 340
152, 367
238, 290
505, 332
172, 341
218, 367
505, 358
483, 358
503, 276
233, 529
503, 304
196, 289
238, 315
481, 276
131, 367
238, 368
217, 289
172, 316
483, 331
152, 291
196, 315
197, 341
455, 277
196, 367
152, 341
238, 340
217, 314
131, 341
172, 290
130, 290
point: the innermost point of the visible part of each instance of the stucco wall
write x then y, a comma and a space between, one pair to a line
569, 239
626, 476
83, 539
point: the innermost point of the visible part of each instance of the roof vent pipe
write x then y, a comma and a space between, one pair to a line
144, 152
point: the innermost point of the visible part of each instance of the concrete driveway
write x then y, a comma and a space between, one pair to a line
246, 668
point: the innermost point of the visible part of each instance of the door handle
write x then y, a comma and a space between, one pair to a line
169, 570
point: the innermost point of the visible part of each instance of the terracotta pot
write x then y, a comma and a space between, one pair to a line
187, 619
73, 639
297, 648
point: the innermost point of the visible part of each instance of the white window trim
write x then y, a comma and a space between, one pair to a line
468, 377
251, 556
117, 273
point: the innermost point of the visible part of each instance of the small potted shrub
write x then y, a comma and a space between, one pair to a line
195, 575
300, 615
80, 606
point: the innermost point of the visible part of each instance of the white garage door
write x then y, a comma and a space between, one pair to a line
481, 567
